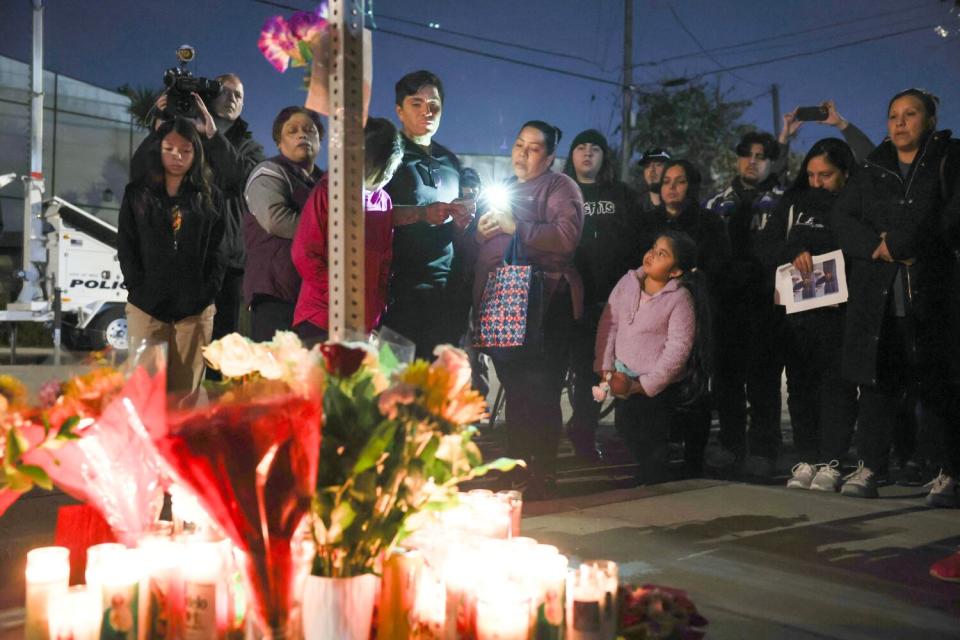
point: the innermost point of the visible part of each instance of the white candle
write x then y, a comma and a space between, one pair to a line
202, 578
514, 499
429, 615
503, 613
118, 575
75, 614
161, 591
584, 606
606, 575
47, 577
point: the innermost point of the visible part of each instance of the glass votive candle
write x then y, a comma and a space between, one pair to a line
161, 593
47, 577
606, 574
75, 614
204, 593
429, 614
584, 599
503, 613
117, 573
515, 501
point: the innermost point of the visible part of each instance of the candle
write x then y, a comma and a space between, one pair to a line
202, 576
118, 574
47, 576
503, 613
398, 592
514, 500
606, 574
584, 602
161, 595
550, 573
429, 615
75, 614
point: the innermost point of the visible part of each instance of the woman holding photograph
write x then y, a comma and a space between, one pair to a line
899, 227
823, 407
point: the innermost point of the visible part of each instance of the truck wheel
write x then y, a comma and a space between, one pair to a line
109, 329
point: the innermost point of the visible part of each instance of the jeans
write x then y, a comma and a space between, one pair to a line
582, 427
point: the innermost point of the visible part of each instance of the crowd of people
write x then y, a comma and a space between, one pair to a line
661, 296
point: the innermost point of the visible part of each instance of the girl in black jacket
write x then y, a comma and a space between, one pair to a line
899, 227
169, 235
823, 406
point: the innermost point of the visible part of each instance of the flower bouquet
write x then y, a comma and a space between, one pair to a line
105, 460
653, 612
251, 459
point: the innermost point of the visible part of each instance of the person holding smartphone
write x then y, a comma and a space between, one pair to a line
825, 113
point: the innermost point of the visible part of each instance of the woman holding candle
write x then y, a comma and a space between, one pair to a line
545, 214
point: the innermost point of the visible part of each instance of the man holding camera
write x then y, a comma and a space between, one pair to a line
231, 153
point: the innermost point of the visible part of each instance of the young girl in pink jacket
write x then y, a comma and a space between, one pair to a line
653, 347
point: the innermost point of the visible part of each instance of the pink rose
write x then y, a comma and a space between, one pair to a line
457, 363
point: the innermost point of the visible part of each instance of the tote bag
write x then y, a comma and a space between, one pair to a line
510, 317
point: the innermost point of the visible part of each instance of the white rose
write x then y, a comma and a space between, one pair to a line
238, 356
267, 364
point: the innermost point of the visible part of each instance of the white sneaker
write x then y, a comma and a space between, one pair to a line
827, 478
943, 492
803, 474
862, 483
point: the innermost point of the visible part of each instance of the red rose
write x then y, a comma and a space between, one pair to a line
342, 361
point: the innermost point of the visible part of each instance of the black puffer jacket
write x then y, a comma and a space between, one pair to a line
168, 277
801, 222
920, 215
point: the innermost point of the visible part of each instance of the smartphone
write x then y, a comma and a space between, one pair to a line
812, 114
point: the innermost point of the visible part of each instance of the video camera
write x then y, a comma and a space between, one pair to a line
181, 84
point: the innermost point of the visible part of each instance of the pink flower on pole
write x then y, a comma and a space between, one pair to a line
277, 43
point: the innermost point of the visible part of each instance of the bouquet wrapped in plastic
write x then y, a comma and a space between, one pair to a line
653, 612
251, 459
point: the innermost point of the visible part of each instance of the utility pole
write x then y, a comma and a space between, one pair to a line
33, 249
625, 124
345, 180
775, 99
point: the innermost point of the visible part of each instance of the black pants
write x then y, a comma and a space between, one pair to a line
229, 300
644, 425
532, 387
425, 317
880, 404
582, 427
269, 315
310, 334
823, 406
749, 364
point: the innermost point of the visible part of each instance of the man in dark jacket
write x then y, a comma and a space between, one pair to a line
419, 306
749, 364
232, 153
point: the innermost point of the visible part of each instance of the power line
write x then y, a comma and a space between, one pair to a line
476, 52
694, 54
493, 56
699, 44
811, 53
472, 36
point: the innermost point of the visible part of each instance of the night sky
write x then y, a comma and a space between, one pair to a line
112, 42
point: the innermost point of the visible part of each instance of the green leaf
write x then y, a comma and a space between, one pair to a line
340, 520
37, 475
17, 481
500, 464
376, 446
67, 428
305, 51
17, 445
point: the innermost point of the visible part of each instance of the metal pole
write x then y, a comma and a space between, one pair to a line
33, 250
345, 162
777, 120
57, 322
625, 124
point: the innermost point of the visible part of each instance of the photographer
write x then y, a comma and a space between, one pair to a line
232, 153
